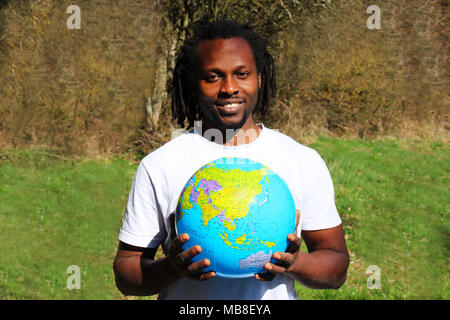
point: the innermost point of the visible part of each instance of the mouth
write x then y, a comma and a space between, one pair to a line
229, 107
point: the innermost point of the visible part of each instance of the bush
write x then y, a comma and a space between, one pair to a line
84, 92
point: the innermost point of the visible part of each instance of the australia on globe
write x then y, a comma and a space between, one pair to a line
240, 212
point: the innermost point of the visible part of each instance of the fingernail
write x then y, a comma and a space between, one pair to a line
268, 266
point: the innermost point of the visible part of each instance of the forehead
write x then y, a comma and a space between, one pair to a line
225, 53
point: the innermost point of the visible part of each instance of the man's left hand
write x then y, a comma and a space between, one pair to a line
285, 259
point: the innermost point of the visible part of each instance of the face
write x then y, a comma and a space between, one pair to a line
228, 83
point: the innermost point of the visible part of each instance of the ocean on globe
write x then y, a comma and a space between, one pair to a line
240, 212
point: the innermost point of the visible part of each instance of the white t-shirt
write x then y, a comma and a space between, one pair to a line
162, 175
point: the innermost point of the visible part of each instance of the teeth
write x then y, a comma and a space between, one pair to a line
231, 105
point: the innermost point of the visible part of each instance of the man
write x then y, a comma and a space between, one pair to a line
223, 75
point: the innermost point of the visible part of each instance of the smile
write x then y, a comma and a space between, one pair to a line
229, 108
231, 105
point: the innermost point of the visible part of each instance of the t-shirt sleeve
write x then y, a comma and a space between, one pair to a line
319, 209
142, 223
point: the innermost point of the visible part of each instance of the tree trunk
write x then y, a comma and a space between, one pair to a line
159, 98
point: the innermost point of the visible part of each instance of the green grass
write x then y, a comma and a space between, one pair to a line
56, 214
394, 201
392, 196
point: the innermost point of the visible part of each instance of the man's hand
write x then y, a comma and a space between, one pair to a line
284, 259
323, 267
180, 260
138, 273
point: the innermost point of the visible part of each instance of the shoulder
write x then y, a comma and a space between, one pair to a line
170, 152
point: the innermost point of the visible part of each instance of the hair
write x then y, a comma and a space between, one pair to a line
184, 103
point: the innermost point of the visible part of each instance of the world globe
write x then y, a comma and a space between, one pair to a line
240, 212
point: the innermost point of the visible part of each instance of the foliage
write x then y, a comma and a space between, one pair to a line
337, 74
79, 91
86, 92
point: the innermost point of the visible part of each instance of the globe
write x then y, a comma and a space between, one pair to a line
240, 212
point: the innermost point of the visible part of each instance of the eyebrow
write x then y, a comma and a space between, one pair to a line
242, 66
218, 70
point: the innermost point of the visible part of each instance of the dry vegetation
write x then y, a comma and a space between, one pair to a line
80, 91
349, 80
84, 92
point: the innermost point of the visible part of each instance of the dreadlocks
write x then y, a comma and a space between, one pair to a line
184, 103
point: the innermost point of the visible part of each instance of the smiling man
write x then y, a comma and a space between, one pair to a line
228, 83
224, 74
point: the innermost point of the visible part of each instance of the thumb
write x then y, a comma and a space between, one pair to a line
294, 243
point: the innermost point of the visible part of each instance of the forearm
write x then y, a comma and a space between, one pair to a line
140, 276
321, 269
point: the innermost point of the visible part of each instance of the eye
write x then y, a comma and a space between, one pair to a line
212, 77
242, 74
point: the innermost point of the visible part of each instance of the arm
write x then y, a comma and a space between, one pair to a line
323, 267
138, 273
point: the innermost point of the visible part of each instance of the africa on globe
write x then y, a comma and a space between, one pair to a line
240, 212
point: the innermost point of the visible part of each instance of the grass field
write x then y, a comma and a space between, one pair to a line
392, 196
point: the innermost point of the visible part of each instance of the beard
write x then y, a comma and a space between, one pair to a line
235, 125
214, 119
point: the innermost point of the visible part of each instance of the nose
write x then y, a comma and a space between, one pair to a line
229, 86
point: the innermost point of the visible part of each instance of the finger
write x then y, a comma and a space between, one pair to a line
294, 243
177, 243
265, 276
195, 271
182, 264
274, 268
198, 266
207, 275
293, 237
181, 258
202, 276
191, 252
284, 258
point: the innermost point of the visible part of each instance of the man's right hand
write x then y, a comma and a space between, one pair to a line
180, 260
138, 273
